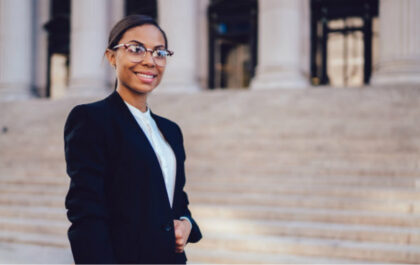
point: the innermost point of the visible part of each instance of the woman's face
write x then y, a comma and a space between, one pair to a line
138, 77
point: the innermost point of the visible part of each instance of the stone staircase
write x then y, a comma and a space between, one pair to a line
322, 175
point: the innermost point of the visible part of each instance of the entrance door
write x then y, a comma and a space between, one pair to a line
341, 41
143, 7
232, 43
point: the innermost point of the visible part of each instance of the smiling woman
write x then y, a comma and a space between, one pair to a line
137, 73
126, 200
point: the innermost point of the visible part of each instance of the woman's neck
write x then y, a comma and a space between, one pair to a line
134, 99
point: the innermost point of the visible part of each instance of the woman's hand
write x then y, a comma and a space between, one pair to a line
182, 232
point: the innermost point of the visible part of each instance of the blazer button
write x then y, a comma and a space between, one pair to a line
167, 228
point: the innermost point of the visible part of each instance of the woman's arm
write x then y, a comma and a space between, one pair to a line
89, 233
195, 234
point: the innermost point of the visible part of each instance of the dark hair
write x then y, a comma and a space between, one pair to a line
130, 22
127, 23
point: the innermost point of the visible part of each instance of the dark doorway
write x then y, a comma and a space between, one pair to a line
232, 43
143, 7
58, 28
347, 24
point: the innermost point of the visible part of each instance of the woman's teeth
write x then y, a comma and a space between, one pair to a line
145, 76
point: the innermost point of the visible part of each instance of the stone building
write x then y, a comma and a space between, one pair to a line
52, 48
287, 170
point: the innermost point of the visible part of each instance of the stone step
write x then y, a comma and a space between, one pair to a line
43, 181
30, 238
47, 240
203, 211
340, 126
237, 170
358, 232
235, 167
270, 184
290, 165
197, 254
339, 161
351, 232
364, 233
280, 200
34, 226
374, 252
53, 201
285, 129
385, 147
289, 128
310, 202
34, 189
273, 141
388, 186
20, 253
210, 174
305, 189
279, 126
295, 142
319, 202
31, 212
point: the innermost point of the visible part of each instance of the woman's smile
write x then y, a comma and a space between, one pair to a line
146, 77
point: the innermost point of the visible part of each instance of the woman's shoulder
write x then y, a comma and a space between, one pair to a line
91, 108
92, 113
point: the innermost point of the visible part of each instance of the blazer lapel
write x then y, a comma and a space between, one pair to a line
124, 113
174, 144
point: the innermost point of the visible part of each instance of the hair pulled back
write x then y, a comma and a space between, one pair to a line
129, 22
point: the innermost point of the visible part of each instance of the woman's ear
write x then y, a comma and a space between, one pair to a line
110, 55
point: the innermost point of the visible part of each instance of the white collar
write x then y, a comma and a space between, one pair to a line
137, 112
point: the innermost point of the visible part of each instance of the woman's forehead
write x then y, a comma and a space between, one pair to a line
149, 35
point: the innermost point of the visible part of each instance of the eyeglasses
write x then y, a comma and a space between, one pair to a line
137, 52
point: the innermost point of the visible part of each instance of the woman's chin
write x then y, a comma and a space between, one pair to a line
143, 89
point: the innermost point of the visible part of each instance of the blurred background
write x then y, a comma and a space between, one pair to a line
300, 120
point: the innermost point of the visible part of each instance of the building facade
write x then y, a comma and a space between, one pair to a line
52, 48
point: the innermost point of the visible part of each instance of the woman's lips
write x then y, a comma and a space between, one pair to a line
147, 78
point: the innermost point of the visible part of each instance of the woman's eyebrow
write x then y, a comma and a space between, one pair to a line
138, 42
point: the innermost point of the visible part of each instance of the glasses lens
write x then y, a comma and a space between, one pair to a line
160, 57
136, 52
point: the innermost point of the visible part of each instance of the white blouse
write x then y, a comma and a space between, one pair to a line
161, 147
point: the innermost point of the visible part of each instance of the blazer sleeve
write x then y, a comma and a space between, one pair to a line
89, 233
195, 234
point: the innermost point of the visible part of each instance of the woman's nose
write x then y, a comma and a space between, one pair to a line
148, 59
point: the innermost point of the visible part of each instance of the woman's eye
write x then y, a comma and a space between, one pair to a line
161, 53
136, 49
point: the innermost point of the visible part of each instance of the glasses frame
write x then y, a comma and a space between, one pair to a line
127, 45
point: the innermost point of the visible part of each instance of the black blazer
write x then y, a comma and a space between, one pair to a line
117, 200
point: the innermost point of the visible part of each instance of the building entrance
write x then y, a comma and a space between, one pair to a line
342, 37
58, 28
232, 43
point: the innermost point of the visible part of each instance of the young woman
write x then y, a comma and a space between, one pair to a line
126, 200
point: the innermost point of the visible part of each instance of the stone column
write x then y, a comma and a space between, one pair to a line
115, 13
89, 26
280, 46
40, 63
399, 40
178, 19
202, 41
15, 49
